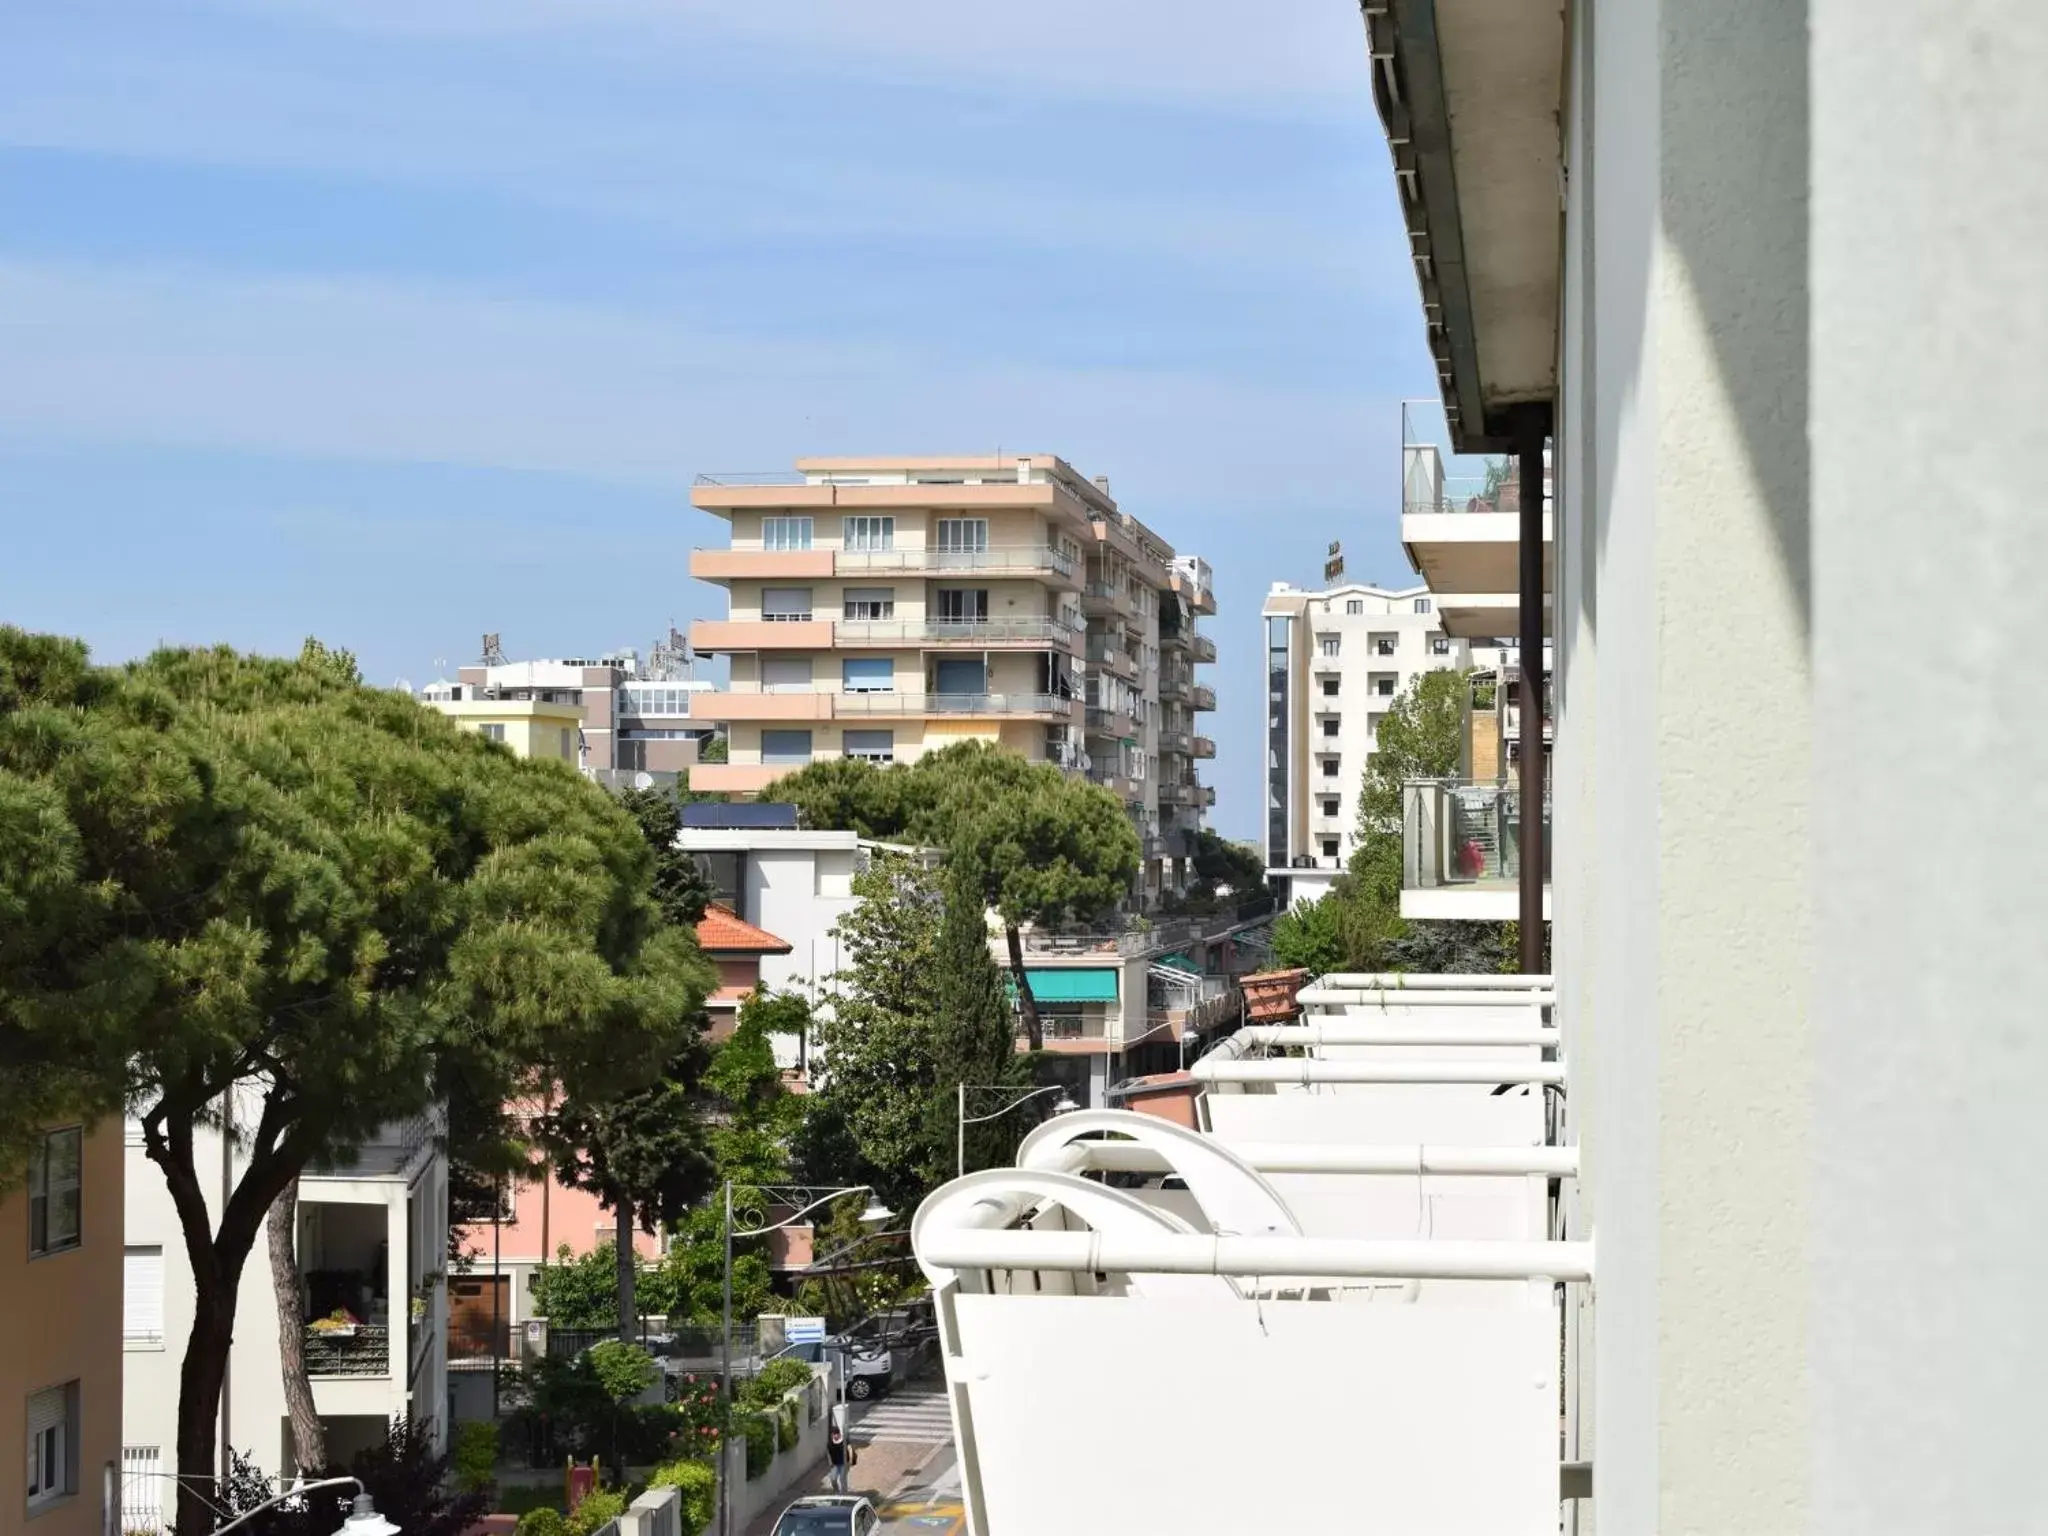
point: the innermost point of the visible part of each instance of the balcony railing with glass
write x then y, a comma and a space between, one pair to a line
1202, 648
1038, 631
996, 562
877, 702
1175, 681
1205, 746
1176, 741
1461, 834
1202, 697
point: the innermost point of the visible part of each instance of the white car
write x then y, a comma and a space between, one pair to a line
829, 1514
868, 1368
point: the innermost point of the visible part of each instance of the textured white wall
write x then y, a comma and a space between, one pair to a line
1930, 329
1683, 982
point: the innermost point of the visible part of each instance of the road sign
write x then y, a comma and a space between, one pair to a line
804, 1330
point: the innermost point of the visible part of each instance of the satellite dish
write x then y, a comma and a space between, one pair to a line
643, 781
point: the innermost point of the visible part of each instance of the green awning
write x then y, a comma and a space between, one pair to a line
1073, 986
1179, 963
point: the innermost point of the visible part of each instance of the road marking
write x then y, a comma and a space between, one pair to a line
922, 1417
941, 1515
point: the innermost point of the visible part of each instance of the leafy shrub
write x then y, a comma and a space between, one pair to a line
623, 1370
476, 1455
785, 1428
599, 1508
697, 1482
777, 1377
542, 1522
760, 1432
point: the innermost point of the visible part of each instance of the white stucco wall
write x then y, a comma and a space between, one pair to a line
1683, 761
256, 1422
1929, 334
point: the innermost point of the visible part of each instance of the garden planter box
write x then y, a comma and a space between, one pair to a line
1269, 995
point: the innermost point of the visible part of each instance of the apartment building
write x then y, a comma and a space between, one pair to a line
60, 1366
613, 716
372, 1250
1335, 662
1765, 283
882, 608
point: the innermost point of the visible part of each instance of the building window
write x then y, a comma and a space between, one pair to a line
786, 605
568, 746
1330, 724
867, 674
142, 1298
785, 749
962, 605
1354, 605
1422, 605
1329, 644
52, 1444
1383, 686
1330, 806
1329, 767
963, 535
868, 533
870, 746
1329, 847
1439, 645
785, 674
1386, 645
785, 533
870, 603
1372, 727
53, 1192
491, 732
1331, 687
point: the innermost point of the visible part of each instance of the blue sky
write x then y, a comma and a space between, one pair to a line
396, 321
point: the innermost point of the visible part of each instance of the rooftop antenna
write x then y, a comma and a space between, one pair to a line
494, 653
669, 660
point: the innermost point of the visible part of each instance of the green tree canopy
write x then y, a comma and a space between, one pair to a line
869, 1123
320, 898
1310, 935
1049, 848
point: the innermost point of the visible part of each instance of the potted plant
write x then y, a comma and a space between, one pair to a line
338, 1324
1269, 995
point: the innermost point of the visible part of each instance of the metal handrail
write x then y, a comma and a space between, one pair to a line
999, 559
879, 702
754, 477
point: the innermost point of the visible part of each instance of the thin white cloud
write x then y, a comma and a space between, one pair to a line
373, 371
1289, 55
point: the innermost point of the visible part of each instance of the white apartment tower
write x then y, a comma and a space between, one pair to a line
1335, 662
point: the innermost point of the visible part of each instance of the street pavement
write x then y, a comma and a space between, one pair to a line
905, 1444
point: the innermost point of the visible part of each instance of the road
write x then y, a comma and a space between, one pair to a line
912, 1427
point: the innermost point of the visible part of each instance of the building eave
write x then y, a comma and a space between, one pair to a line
1492, 68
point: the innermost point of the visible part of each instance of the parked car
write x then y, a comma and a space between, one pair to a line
829, 1514
869, 1369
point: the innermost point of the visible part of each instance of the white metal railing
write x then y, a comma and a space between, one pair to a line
754, 477
1313, 1071
1252, 1258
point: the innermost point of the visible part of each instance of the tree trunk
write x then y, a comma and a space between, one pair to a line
627, 1331
1034, 1028
205, 1367
309, 1436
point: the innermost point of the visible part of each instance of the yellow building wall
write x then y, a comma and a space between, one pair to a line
60, 1322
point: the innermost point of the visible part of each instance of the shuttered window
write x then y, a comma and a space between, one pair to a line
50, 1438
142, 1297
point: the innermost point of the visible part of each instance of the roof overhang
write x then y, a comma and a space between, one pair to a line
1471, 94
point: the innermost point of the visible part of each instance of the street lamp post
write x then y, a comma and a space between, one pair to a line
1060, 1107
815, 1197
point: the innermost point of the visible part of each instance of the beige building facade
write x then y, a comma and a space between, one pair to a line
884, 608
61, 1263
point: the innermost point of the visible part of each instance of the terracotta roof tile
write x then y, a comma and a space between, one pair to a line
724, 932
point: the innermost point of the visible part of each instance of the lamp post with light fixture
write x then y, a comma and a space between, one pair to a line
807, 1199
1060, 1107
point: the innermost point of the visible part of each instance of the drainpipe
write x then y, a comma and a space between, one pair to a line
1531, 428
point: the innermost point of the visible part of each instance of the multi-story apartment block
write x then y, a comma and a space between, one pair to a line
612, 716
60, 1365
372, 1248
882, 608
1335, 662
